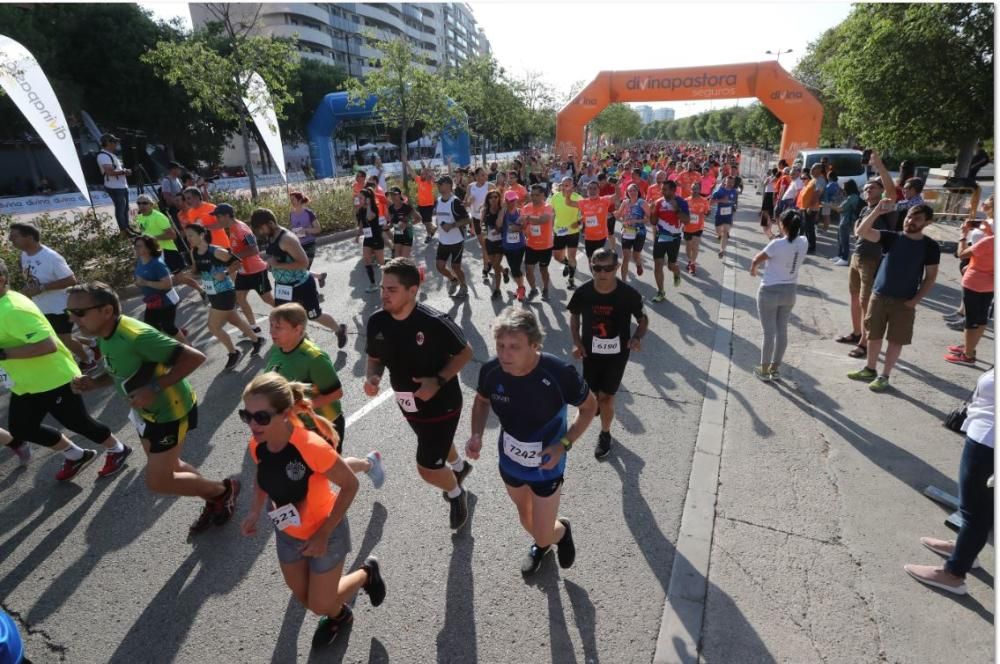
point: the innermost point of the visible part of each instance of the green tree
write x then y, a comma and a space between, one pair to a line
480, 86
619, 122
812, 72
540, 102
912, 76
215, 64
405, 93
313, 81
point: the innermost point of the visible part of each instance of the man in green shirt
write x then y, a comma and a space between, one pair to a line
158, 226
566, 228
39, 370
150, 369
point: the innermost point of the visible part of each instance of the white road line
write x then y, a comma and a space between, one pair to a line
367, 408
684, 607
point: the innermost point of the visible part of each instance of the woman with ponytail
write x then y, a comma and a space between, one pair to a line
295, 468
782, 258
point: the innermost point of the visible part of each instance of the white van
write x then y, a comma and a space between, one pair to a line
846, 164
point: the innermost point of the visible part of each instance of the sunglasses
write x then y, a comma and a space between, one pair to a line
603, 268
261, 417
82, 311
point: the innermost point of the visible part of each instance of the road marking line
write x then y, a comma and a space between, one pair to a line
367, 408
684, 605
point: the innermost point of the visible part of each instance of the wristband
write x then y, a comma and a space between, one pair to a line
566, 443
441, 380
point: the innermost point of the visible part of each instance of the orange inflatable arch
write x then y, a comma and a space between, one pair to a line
788, 99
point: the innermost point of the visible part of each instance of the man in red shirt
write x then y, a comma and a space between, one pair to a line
253, 270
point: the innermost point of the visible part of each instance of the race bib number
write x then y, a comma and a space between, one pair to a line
536, 231
524, 454
357, 201
173, 297
301, 232
493, 235
607, 346
285, 517
210, 287
725, 210
562, 231
283, 292
367, 232
381, 222
407, 401
136, 419
5, 380
629, 232
513, 238
591, 222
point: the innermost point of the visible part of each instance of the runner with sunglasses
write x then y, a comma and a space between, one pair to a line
529, 392
424, 351
295, 469
605, 308
298, 359
150, 369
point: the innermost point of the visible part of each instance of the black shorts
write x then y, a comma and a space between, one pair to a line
590, 246
224, 301
670, 249
767, 204
692, 235
450, 253
562, 242
162, 319
60, 323
376, 241
258, 281
542, 489
174, 260
434, 439
426, 213
305, 294
494, 248
604, 375
165, 436
977, 308
611, 224
515, 257
310, 250
477, 226
635, 245
537, 256
404, 239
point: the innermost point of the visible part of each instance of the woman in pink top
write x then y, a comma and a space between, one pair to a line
977, 293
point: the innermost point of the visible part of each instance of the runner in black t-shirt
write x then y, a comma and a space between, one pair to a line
606, 306
424, 351
402, 217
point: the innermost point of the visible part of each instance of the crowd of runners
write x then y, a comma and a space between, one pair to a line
522, 217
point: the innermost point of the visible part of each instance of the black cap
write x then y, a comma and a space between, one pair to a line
223, 208
395, 190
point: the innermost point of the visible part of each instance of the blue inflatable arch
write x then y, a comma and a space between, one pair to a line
334, 109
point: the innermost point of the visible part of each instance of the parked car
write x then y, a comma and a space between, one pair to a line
847, 164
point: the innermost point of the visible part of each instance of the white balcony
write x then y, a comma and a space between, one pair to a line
301, 32
307, 9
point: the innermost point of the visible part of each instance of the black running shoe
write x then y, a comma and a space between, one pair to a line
225, 505
565, 269
506, 275
321, 278
571, 285
460, 476
328, 628
257, 346
205, 519
565, 549
374, 587
341, 336
459, 510
497, 295
533, 560
233, 358
603, 445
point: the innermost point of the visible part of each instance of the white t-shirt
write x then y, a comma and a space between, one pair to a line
111, 181
793, 189
784, 259
444, 216
45, 267
478, 196
979, 417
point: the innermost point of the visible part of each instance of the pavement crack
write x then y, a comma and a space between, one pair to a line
833, 542
54, 648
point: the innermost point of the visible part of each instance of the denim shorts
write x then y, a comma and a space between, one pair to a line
337, 548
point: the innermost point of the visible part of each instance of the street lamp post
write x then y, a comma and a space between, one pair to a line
778, 53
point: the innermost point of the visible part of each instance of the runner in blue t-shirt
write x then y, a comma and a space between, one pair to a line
152, 276
529, 391
512, 238
726, 199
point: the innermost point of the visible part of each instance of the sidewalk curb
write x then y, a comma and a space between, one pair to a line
684, 608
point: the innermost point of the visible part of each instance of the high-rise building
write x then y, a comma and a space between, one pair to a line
663, 114
444, 34
645, 112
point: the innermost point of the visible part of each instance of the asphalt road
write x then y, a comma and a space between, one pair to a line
100, 571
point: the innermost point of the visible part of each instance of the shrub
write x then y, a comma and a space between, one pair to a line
92, 246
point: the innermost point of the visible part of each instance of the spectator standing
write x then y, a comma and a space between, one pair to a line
848, 212
905, 276
170, 191
975, 501
977, 293
115, 182
811, 205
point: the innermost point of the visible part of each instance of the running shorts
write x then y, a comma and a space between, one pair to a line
259, 281
305, 294
289, 549
450, 253
604, 375
562, 242
669, 248
537, 256
165, 436
434, 439
542, 489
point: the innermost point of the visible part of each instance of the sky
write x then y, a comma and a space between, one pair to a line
739, 32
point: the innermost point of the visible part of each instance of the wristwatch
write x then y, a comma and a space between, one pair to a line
441, 380
566, 443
